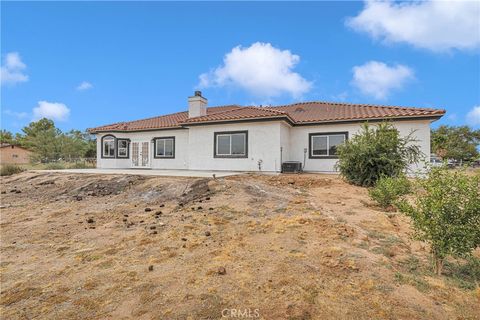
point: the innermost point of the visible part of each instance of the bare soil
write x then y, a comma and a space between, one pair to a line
78, 246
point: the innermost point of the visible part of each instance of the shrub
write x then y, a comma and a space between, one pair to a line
389, 189
375, 152
9, 169
54, 166
446, 214
78, 165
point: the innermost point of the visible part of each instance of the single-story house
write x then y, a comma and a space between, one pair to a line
250, 138
13, 154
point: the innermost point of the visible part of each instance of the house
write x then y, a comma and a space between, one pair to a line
12, 154
249, 138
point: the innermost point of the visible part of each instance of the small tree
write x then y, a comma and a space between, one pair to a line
375, 152
446, 214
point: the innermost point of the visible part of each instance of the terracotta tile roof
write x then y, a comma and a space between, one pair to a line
298, 113
243, 113
167, 121
318, 111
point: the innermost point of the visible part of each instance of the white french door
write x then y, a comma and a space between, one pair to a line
141, 154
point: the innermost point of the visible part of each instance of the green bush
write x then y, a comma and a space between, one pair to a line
389, 189
9, 169
54, 166
446, 213
375, 152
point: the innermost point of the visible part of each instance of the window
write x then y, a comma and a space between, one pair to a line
122, 148
232, 144
324, 145
108, 147
165, 147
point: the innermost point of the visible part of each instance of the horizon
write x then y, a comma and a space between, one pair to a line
87, 64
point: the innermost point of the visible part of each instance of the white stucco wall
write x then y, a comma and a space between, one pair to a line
194, 147
181, 149
299, 140
263, 144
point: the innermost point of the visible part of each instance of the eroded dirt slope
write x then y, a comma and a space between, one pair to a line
294, 247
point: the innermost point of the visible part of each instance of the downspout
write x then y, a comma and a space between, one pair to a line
304, 157
281, 159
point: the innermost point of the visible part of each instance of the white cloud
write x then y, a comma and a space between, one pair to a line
12, 69
18, 115
433, 25
260, 69
377, 79
473, 116
51, 110
85, 85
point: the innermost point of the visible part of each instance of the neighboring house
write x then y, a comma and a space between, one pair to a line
13, 154
249, 138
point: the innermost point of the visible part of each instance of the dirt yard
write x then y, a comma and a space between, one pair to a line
78, 246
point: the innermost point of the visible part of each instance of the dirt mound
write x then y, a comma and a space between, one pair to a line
283, 247
112, 186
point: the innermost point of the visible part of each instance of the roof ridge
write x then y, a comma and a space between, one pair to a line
354, 104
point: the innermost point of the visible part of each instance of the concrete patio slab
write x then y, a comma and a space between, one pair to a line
152, 172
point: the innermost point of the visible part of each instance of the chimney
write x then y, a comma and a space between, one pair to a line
197, 105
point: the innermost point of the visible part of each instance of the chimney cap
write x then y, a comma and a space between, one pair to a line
198, 93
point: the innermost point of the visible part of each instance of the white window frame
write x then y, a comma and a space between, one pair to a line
229, 135
109, 139
326, 135
119, 155
164, 141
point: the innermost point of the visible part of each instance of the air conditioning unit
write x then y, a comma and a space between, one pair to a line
291, 167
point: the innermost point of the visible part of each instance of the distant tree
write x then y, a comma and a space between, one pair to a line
455, 142
42, 137
6, 137
375, 152
50, 143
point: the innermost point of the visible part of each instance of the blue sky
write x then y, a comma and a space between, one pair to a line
93, 63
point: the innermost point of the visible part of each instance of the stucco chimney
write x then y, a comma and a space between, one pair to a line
197, 105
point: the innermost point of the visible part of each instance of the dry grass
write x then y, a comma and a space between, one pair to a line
293, 247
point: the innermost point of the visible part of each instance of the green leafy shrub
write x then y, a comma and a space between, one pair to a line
9, 169
375, 152
446, 214
389, 189
54, 166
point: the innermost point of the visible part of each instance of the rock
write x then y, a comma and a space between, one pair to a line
148, 209
210, 208
90, 220
18, 191
199, 208
125, 215
162, 205
154, 232
150, 268
153, 227
207, 233
184, 239
158, 213
221, 271
79, 198
124, 220
4, 192
207, 198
